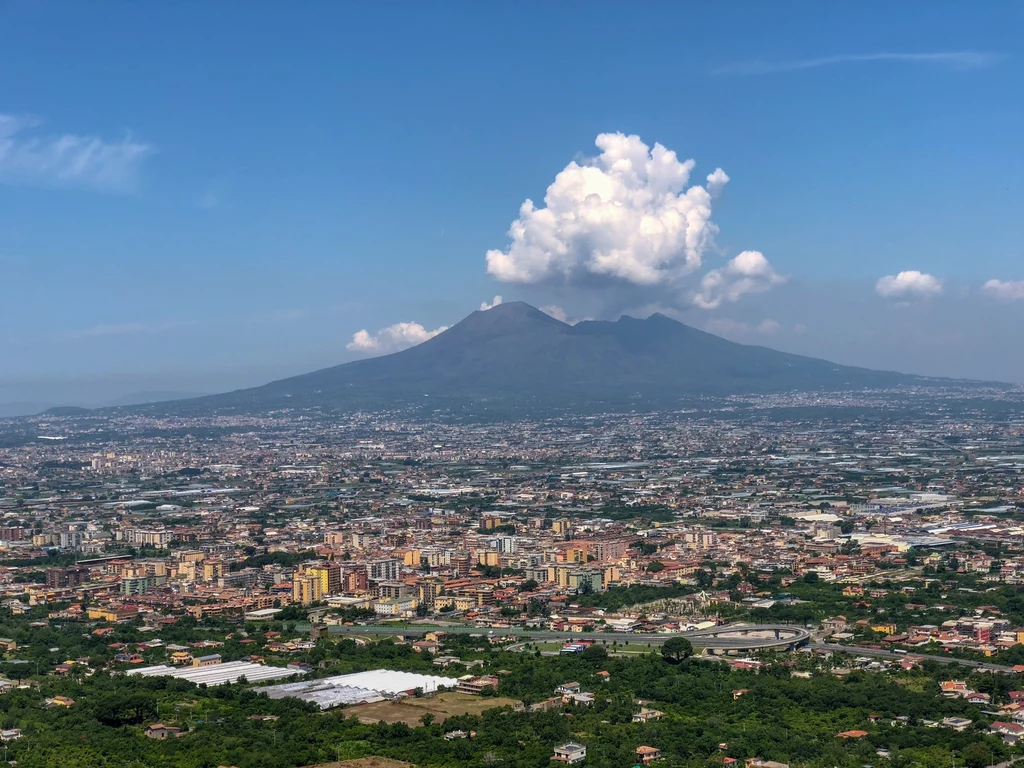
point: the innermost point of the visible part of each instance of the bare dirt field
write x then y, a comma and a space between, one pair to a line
442, 706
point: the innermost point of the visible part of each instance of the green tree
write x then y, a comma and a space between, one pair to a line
676, 649
977, 755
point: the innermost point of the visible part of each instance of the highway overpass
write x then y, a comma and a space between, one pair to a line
728, 638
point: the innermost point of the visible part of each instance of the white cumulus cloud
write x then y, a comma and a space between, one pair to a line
750, 272
391, 339
625, 215
1005, 290
717, 180
67, 160
555, 311
484, 306
909, 284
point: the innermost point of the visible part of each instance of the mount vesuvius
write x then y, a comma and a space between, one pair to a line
515, 355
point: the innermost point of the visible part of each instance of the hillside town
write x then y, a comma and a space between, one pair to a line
515, 526
239, 550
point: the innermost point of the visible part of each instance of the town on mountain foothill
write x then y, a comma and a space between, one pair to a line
754, 583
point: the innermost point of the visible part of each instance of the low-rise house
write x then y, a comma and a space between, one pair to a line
953, 689
647, 755
583, 698
570, 753
834, 625
957, 723
1010, 733
646, 715
555, 702
854, 734
161, 732
476, 685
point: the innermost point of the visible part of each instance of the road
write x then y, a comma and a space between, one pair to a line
726, 638
1008, 763
711, 639
859, 651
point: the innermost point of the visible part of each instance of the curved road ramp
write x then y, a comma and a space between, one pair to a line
739, 638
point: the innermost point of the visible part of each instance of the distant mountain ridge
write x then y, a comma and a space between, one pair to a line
516, 355
13, 410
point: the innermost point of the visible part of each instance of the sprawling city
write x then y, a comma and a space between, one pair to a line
684, 588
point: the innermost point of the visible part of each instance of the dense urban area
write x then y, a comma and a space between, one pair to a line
770, 581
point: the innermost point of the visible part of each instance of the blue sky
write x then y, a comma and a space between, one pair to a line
197, 196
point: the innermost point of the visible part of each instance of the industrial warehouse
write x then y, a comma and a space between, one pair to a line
359, 687
218, 674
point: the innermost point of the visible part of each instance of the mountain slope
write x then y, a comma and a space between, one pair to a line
515, 354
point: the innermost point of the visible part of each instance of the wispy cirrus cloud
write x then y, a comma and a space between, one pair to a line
960, 60
67, 160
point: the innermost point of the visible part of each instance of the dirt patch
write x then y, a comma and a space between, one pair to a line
411, 710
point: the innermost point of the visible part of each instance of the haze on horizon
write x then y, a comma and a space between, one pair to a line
326, 182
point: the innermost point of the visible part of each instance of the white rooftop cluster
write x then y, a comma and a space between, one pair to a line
358, 688
218, 674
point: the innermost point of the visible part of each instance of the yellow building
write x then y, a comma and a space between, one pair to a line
189, 570
430, 590
306, 589
560, 575
329, 576
103, 614
561, 526
576, 555
213, 570
412, 558
489, 558
459, 603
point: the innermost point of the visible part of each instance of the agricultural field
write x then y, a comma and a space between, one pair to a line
411, 710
